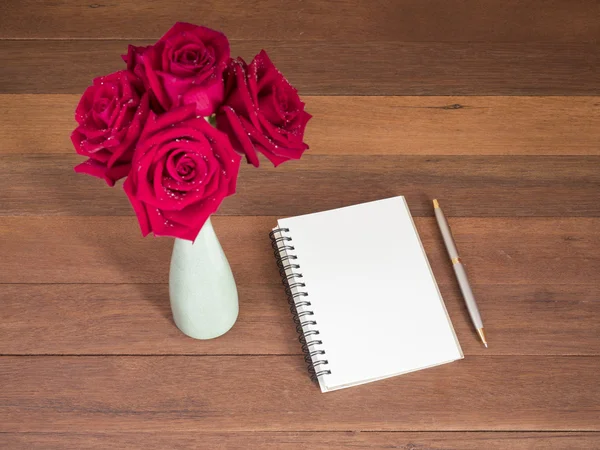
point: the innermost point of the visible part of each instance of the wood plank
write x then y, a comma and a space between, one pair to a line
134, 319
306, 440
72, 319
37, 123
339, 68
273, 393
477, 186
454, 125
525, 251
345, 20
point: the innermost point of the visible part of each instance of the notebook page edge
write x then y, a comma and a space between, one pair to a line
437, 288
385, 377
356, 205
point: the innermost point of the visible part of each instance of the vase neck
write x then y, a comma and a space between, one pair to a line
205, 236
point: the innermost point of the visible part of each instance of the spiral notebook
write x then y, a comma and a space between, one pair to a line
362, 294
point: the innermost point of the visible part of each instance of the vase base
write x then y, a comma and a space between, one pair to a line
204, 334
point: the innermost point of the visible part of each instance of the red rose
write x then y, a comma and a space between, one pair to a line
182, 169
262, 112
184, 67
110, 114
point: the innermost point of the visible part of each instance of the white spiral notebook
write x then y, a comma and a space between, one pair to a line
362, 294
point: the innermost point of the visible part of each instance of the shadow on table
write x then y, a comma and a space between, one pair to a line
111, 243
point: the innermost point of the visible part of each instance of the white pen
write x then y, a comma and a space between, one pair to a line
459, 270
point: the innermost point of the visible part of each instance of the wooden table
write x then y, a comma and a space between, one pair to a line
490, 106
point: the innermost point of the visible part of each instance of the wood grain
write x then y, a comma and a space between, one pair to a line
306, 441
522, 251
536, 280
384, 126
158, 394
135, 319
477, 186
344, 20
338, 68
89, 356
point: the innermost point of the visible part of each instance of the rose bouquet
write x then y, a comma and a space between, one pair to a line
176, 122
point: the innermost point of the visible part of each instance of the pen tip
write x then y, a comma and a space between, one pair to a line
482, 336
435, 203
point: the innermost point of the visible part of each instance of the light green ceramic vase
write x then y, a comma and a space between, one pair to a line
204, 298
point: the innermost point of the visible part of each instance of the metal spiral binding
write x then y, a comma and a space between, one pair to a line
292, 281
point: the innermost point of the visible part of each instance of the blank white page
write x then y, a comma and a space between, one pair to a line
376, 303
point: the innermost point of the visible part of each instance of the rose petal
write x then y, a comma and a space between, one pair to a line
152, 67
240, 99
229, 122
98, 170
125, 151
206, 99
138, 207
275, 154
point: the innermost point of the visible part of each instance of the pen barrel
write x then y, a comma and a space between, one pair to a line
446, 233
459, 269
467, 293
